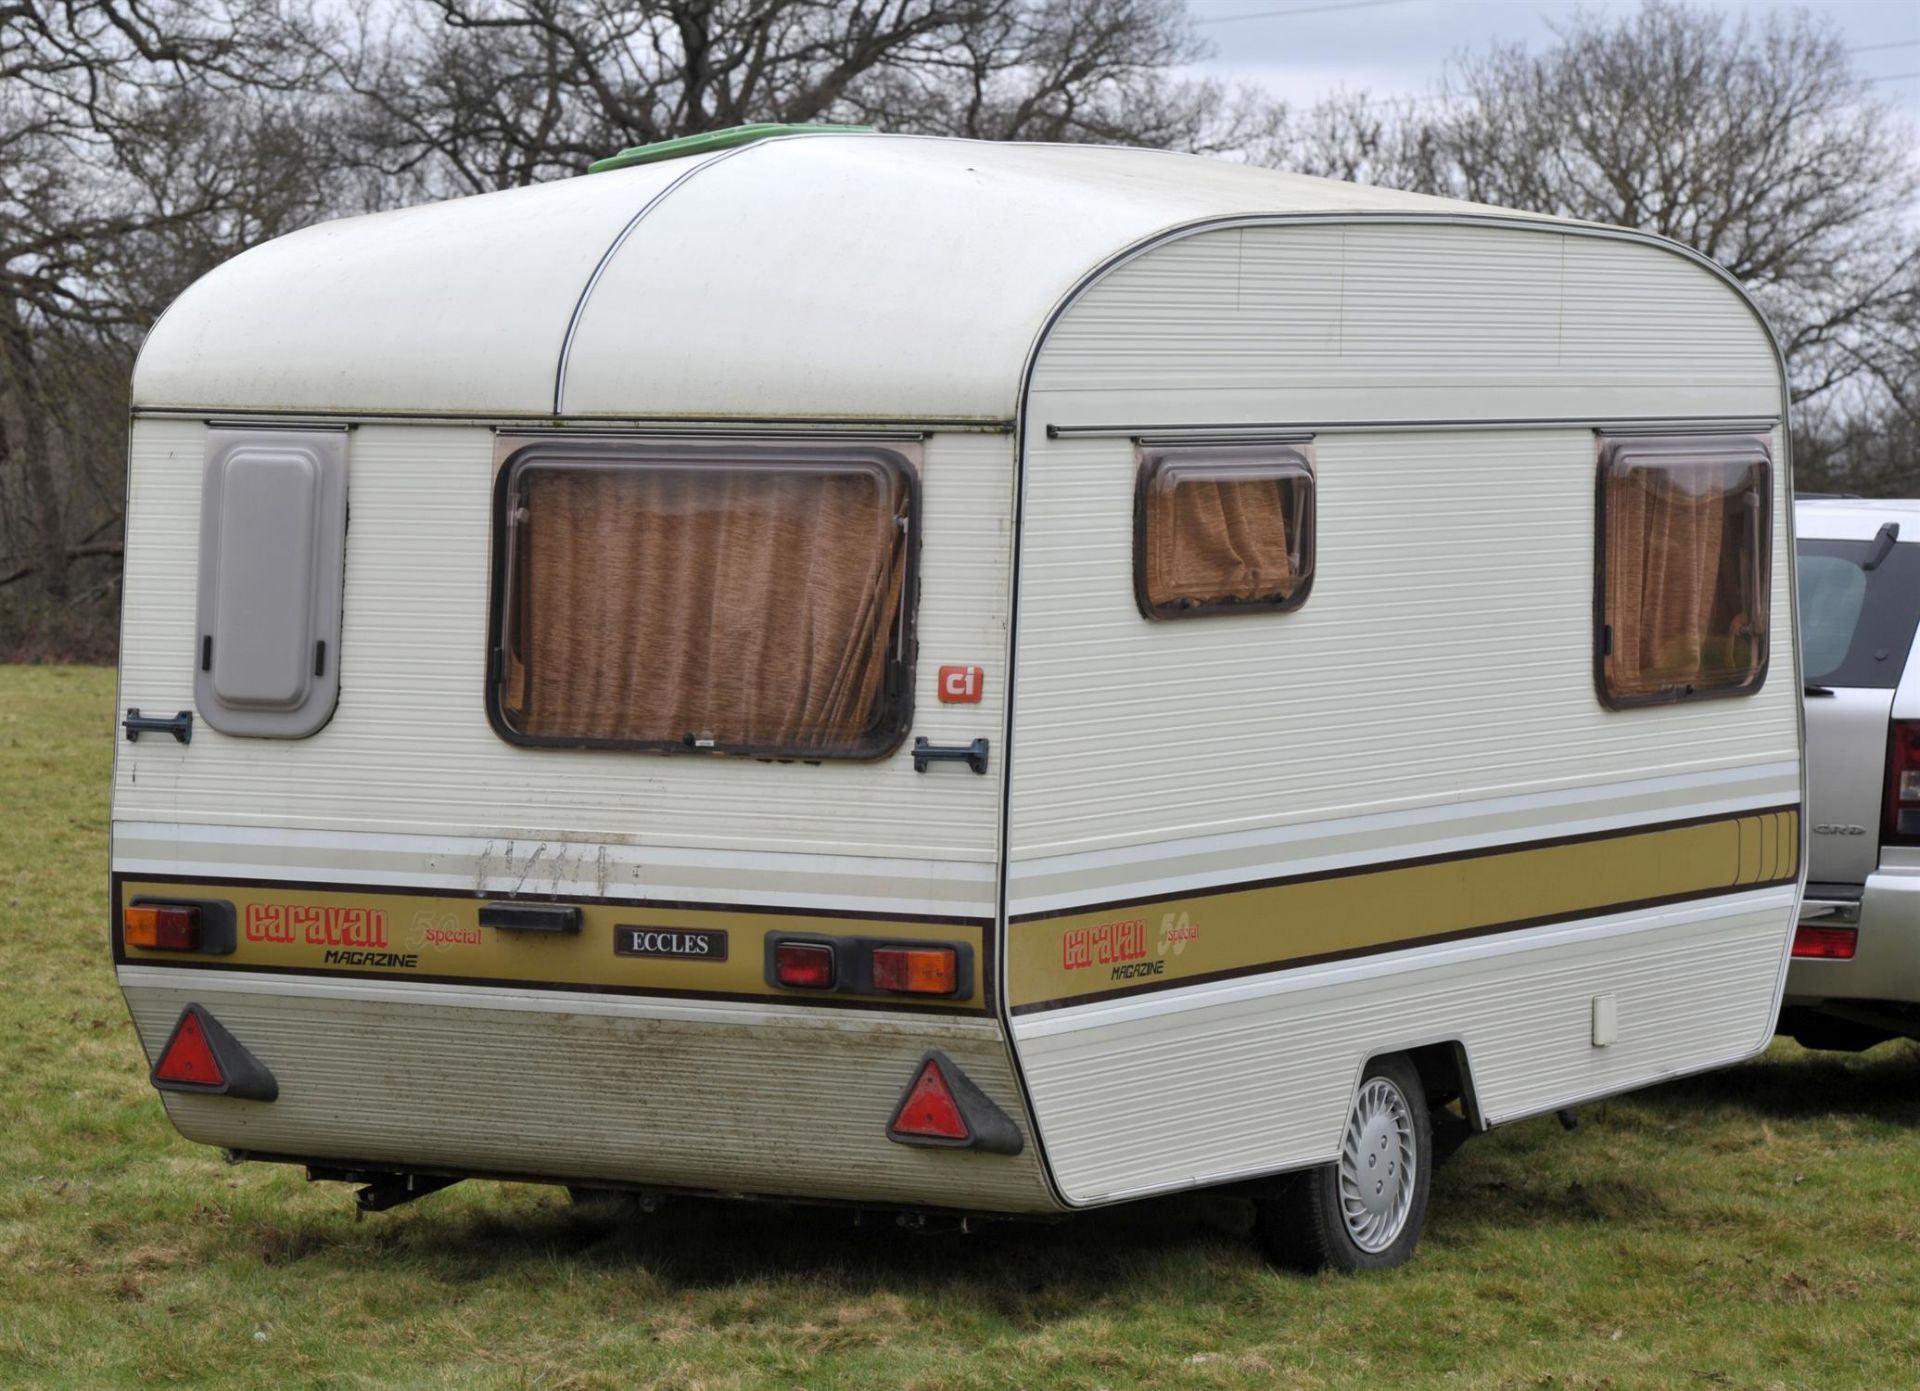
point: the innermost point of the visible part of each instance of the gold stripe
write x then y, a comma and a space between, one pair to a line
410, 936
1086, 955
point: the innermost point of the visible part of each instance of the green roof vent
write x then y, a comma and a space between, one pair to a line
708, 141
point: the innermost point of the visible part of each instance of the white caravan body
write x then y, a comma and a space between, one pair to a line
1213, 864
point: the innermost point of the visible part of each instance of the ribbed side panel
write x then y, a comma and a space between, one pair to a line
1444, 661
1225, 1081
1446, 654
1356, 322
738, 1101
409, 749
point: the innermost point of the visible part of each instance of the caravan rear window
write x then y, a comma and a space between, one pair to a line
752, 600
1225, 529
1685, 567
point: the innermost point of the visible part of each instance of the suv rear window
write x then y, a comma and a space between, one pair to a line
1856, 624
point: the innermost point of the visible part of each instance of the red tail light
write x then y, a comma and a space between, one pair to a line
803, 965
162, 927
916, 970
1825, 943
189, 1056
929, 1110
1902, 825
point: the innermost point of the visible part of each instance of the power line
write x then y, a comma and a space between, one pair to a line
1302, 9
1376, 4
1461, 96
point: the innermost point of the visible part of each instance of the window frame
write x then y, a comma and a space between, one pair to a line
1610, 445
513, 454
1151, 458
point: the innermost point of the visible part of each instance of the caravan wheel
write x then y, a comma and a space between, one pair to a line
1365, 1210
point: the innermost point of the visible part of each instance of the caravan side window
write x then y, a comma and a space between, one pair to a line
1685, 548
753, 600
1223, 529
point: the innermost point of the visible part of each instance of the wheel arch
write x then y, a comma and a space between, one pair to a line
1446, 1074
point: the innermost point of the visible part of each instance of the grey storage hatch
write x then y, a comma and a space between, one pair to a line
273, 532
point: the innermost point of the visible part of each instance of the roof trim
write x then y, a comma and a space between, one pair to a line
707, 141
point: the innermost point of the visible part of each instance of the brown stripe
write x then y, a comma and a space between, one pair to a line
1116, 950
583, 963
1296, 962
1409, 862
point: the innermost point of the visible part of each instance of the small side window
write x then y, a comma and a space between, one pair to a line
1225, 529
1685, 567
273, 534
748, 598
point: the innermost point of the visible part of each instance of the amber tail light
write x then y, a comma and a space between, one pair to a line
162, 927
916, 970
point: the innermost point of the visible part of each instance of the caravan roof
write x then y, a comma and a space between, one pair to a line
831, 276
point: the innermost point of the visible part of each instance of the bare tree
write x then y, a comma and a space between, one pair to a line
1757, 144
133, 141
478, 94
143, 141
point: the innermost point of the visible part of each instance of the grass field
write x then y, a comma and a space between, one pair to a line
1757, 1228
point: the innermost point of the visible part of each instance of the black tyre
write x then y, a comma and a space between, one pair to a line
1365, 1211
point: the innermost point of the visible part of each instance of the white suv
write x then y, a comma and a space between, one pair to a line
1855, 977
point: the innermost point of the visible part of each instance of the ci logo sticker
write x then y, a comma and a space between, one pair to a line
962, 685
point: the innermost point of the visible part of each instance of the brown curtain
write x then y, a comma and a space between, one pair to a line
750, 607
1684, 595
1211, 541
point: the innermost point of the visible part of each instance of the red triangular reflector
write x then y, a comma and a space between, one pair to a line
930, 1108
189, 1057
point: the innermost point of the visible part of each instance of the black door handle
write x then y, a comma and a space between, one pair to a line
180, 726
974, 755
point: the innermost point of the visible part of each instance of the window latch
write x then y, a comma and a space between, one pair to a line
974, 755
136, 724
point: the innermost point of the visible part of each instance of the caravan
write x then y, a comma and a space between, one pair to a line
934, 674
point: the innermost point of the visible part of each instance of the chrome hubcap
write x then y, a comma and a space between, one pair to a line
1377, 1166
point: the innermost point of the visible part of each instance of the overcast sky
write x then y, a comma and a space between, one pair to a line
1304, 49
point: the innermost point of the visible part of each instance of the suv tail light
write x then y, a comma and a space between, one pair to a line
1825, 943
1902, 825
